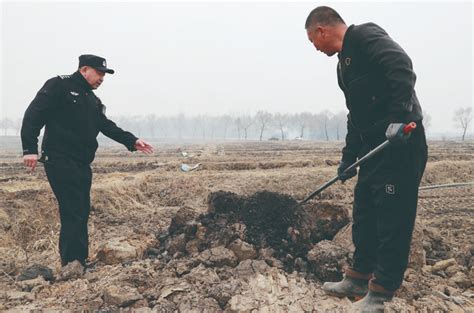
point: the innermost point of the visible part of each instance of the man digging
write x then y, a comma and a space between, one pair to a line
377, 79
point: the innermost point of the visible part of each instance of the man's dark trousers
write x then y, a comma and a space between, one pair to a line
71, 184
384, 211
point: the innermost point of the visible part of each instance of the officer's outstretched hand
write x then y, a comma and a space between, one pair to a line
395, 133
30, 160
345, 176
143, 146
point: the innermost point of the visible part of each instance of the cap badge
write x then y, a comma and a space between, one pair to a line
104, 63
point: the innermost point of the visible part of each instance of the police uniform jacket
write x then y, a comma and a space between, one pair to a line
73, 116
377, 78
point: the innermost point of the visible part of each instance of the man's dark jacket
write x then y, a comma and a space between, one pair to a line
377, 78
73, 116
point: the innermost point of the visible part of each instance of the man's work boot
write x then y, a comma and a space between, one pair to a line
72, 270
353, 285
374, 301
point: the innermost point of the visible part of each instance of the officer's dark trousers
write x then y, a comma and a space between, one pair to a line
71, 184
385, 201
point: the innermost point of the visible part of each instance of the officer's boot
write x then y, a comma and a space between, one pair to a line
373, 302
354, 285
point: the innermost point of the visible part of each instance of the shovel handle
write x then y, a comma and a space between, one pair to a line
409, 127
406, 130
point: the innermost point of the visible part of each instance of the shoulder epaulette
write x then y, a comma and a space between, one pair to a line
64, 76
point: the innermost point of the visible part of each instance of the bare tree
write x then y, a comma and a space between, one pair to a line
238, 125
211, 124
225, 121
207, 124
324, 118
201, 122
6, 124
246, 121
463, 118
338, 121
17, 126
281, 120
303, 120
426, 120
263, 119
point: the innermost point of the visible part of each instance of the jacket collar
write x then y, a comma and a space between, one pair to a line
346, 40
81, 81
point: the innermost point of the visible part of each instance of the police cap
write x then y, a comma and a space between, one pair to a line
96, 62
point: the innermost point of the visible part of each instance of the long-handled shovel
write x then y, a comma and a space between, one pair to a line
406, 130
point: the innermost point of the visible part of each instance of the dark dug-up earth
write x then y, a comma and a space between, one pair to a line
227, 236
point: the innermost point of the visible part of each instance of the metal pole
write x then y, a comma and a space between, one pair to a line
446, 186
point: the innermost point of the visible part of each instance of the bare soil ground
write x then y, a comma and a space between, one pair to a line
135, 198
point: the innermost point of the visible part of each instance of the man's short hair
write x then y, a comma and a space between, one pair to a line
325, 16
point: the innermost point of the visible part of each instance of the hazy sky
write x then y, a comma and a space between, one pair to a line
225, 57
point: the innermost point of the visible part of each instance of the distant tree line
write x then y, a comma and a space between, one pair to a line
259, 126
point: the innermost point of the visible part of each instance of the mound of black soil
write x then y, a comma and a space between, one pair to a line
267, 222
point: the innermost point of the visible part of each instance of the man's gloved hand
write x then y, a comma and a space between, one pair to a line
345, 176
395, 133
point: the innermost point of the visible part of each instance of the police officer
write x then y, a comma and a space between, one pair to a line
73, 116
377, 79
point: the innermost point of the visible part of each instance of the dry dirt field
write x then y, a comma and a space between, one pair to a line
206, 262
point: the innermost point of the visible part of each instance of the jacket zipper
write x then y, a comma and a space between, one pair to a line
340, 74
